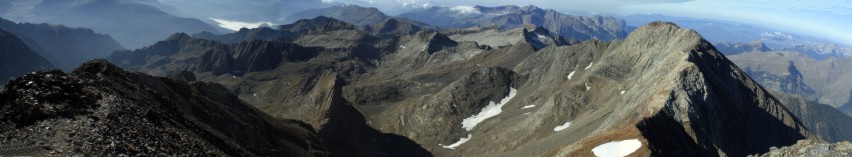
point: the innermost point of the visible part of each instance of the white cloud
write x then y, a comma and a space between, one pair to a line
466, 9
237, 25
415, 3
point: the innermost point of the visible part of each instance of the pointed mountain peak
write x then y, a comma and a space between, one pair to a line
651, 34
436, 41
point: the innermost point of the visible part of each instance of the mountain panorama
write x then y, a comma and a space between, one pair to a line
152, 78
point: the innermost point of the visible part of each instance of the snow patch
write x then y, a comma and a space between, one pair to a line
237, 25
400, 46
493, 109
454, 145
590, 66
571, 74
587, 86
541, 37
617, 148
527, 113
622, 92
466, 9
528, 106
562, 127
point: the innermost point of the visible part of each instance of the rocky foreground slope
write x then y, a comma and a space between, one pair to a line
811, 148
102, 110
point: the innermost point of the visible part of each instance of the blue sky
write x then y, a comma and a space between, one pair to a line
830, 19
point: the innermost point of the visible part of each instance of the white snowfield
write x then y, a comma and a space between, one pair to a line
590, 66
493, 109
562, 127
617, 148
571, 74
454, 145
528, 106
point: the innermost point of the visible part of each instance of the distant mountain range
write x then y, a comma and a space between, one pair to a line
16, 58
823, 81
732, 33
65, 47
349, 13
576, 28
113, 17
571, 27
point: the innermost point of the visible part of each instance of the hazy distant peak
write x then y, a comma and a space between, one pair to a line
178, 37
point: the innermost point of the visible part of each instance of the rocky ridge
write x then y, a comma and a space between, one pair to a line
100, 109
